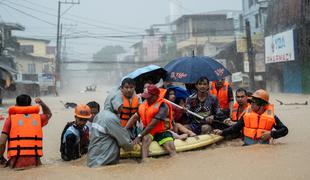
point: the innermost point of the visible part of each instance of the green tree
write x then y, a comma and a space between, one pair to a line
108, 53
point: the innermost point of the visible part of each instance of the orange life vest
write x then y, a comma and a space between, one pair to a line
255, 125
162, 93
147, 113
128, 109
222, 94
25, 138
234, 115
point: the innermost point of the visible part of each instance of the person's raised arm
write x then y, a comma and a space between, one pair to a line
46, 110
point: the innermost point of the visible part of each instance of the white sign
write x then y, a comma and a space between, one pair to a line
236, 77
280, 47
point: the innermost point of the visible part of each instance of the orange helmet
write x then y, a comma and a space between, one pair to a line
83, 111
261, 94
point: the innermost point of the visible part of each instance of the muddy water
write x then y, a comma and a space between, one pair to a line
286, 158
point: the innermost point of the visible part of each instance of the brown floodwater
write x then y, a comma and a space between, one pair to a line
286, 158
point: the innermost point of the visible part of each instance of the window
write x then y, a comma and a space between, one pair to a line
31, 68
50, 50
46, 68
28, 49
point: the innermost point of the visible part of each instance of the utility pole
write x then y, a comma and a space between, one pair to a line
250, 55
58, 42
2, 40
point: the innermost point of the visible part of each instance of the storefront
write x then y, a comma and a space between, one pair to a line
283, 65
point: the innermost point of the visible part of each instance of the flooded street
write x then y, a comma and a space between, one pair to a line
286, 158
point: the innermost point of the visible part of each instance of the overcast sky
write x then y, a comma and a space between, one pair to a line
97, 18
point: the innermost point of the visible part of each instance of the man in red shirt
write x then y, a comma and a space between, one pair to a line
12, 125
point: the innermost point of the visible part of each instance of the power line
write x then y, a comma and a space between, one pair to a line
27, 14
72, 19
85, 18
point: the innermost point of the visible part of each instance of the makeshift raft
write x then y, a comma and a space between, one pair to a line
190, 143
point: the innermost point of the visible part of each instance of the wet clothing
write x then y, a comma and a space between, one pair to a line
107, 136
256, 125
23, 161
237, 112
115, 100
280, 130
113, 103
208, 107
74, 141
163, 137
129, 108
224, 96
25, 138
159, 110
160, 133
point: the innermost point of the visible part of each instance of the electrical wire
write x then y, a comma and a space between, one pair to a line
27, 14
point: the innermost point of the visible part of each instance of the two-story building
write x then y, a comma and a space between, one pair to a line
35, 63
156, 46
206, 34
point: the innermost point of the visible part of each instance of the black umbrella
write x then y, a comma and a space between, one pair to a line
190, 69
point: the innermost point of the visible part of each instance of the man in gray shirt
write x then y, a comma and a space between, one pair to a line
107, 137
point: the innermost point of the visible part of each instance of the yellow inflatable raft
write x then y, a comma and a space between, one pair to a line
190, 143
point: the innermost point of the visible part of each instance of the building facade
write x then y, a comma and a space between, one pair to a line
35, 63
288, 39
204, 34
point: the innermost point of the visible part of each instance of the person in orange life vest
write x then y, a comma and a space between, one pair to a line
125, 104
162, 90
75, 136
178, 114
239, 107
156, 116
23, 132
222, 90
258, 122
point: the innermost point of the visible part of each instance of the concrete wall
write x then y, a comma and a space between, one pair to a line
39, 47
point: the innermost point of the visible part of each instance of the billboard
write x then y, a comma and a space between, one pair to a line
280, 47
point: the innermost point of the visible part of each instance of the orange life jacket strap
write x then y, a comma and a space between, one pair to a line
24, 148
25, 138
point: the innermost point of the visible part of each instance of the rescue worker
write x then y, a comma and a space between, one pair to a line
239, 107
75, 136
222, 90
258, 122
156, 116
107, 136
23, 132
